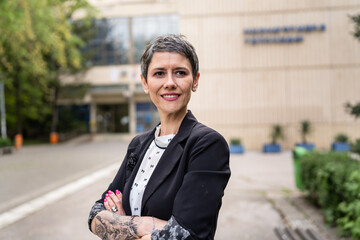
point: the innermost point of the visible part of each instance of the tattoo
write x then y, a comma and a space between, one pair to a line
110, 226
100, 228
98, 207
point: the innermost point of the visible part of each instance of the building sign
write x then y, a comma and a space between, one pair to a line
285, 34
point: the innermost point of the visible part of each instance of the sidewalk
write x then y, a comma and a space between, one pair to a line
260, 196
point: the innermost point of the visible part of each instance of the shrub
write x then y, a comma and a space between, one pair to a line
349, 222
235, 141
4, 142
355, 147
333, 182
341, 137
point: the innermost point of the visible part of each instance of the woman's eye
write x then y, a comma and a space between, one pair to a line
180, 73
158, 74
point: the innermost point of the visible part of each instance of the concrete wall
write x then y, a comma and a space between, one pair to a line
129, 8
244, 89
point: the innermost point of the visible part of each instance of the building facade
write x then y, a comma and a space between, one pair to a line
261, 63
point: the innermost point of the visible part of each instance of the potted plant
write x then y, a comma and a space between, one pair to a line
5, 145
236, 146
341, 143
277, 133
305, 130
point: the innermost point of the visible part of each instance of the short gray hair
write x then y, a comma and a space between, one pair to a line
169, 43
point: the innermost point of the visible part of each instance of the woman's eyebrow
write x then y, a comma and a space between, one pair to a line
181, 68
158, 69
163, 69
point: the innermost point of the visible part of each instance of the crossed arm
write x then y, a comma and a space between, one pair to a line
110, 225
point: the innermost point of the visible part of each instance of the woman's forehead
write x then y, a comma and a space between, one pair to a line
169, 59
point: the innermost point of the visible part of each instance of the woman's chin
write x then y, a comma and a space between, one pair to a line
174, 111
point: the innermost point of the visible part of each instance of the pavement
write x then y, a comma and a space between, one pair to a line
47, 191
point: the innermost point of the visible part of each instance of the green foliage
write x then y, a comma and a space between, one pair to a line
305, 130
333, 182
39, 40
356, 20
353, 109
341, 137
235, 141
350, 211
5, 142
355, 147
277, 133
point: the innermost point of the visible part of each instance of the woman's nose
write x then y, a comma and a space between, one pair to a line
170, 81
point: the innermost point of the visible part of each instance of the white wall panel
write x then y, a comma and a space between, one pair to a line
216, 7
345, 49
345, 87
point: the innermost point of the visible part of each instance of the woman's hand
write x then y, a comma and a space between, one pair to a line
113, 201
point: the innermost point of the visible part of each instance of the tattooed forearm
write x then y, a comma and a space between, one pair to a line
110, 226
100, 228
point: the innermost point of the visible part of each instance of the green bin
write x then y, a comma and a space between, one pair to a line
298, 153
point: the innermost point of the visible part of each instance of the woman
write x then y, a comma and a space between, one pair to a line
172, 179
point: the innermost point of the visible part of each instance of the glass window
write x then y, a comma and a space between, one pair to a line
145, 28
110, 46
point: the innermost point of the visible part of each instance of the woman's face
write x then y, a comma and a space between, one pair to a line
170, 82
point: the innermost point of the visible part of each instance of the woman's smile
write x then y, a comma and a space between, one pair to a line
170, 96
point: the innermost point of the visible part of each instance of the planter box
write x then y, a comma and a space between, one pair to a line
272, 148
6, 150
237, 149
307, 146
340, 147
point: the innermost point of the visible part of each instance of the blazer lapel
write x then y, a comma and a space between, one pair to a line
169, 158
139, 152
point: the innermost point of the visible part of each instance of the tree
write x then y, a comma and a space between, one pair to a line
37, 44
305, 130
82, 30
277, 133
353, 109
356, 20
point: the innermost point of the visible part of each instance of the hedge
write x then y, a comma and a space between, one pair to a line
4, 142
333, 182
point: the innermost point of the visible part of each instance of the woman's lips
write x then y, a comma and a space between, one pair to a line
170, 96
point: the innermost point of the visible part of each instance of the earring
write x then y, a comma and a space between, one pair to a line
194, 89
145, 90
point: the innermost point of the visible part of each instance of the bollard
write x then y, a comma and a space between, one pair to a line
54, 137
18, 141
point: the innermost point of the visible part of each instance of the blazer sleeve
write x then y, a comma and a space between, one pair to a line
198, 200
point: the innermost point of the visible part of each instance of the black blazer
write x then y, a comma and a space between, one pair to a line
188, 182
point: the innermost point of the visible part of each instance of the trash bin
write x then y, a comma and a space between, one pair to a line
298, 153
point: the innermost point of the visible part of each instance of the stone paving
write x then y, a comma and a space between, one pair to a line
260, 195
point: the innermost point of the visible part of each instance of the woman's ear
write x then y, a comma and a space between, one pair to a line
196, 82
144, 84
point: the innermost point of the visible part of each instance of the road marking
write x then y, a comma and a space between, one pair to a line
26, 209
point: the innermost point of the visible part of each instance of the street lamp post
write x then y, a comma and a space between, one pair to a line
2, 110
